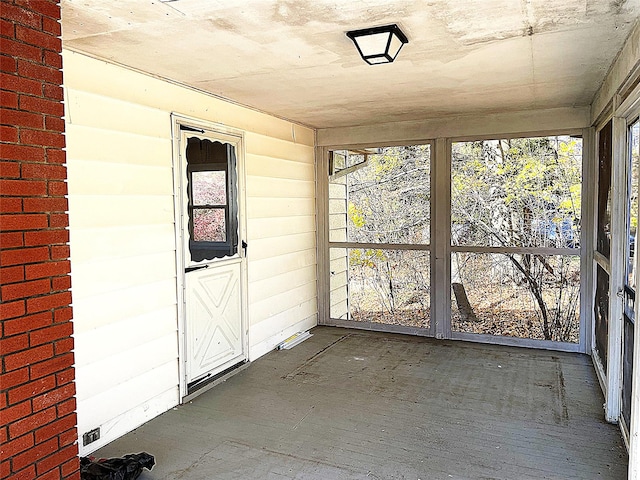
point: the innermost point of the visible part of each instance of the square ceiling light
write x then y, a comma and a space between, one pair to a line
378, 44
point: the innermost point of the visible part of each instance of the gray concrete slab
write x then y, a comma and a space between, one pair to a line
350, 404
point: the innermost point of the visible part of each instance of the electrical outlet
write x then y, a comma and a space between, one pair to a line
91, 436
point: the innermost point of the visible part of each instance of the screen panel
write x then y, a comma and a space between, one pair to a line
390, 287
385, 199
523, 192
516, 295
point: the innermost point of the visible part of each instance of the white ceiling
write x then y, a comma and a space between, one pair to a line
292, 58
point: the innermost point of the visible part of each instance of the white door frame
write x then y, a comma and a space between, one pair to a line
213, 129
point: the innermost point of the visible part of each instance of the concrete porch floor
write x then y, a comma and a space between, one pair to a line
348, 404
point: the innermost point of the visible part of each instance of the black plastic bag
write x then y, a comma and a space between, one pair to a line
128, 467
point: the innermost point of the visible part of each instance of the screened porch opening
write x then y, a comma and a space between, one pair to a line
379, 233
509, 228
515, 237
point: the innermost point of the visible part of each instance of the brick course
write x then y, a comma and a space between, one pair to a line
38, 437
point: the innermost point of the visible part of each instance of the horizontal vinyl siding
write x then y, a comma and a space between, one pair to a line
114, 115
152, 152
143, 328
281, 230
122, 257
121, 273
263, 227
107, 406
278, 264
276, 284
268, 187
338, 257
123, 249
128, 240
100, 309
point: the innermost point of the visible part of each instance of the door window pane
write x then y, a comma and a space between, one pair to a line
209, 225
212, 204
209, 188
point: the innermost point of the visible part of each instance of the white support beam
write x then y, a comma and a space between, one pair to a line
616, 280
587, 240
525, 123
441, 239
322, 233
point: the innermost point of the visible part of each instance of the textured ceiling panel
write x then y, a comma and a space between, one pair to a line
293, 59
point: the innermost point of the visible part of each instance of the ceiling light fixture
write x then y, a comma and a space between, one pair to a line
378, 44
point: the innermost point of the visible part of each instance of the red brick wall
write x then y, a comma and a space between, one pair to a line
38, 437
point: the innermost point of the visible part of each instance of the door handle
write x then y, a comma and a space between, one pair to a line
197, 267
244, 247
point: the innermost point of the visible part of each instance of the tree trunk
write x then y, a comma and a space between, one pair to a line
464, 307
536, 290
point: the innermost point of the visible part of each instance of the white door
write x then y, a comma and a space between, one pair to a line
213, 313
213, 253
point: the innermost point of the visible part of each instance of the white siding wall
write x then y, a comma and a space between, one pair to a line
119, 156
281, 231
338, 257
